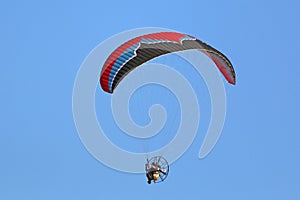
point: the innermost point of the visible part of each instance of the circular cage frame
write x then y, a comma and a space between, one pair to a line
162, 163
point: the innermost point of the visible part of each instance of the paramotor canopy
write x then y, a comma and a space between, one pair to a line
139, 50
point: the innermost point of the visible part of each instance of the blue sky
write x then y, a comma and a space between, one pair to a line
42, 47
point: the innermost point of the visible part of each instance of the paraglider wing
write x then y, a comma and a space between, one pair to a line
141, 49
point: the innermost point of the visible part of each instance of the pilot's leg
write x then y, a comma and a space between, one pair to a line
149, 178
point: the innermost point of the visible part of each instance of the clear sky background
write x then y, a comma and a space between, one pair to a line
43, 45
